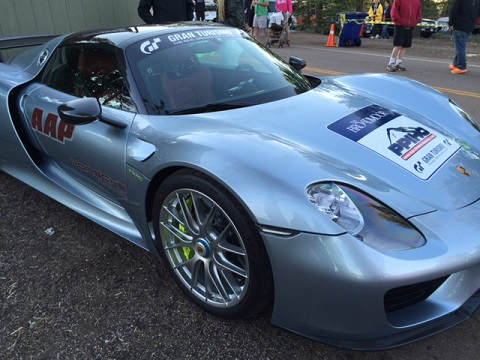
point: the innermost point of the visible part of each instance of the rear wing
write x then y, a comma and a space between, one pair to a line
23, 41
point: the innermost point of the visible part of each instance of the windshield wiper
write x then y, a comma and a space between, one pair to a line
209, 108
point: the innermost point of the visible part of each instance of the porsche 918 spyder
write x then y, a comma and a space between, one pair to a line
349, 203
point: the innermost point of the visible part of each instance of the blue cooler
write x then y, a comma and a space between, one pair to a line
350, 24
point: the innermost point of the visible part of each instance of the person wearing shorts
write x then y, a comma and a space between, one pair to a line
260, 19
406, 14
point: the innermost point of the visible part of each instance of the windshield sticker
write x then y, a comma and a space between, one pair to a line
408, 143
150, 46
179, 38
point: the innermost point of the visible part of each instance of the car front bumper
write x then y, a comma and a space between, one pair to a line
332, 288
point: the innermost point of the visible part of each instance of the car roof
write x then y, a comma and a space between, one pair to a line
123, 37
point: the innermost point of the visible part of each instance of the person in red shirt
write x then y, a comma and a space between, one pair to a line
406, 14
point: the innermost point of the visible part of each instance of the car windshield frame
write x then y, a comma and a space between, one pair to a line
146, 54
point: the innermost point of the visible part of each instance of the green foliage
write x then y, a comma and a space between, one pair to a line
324, 12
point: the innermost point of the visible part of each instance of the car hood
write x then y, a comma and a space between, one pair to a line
412, 162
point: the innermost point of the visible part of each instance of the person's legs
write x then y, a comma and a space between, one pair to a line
286, 18
202, 11
262, 25
398, 40
385, 32
406, 43
460, 40
255, 27
393, 58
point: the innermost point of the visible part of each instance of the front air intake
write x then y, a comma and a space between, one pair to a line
404, 296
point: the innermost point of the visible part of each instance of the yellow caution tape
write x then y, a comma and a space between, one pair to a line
391, 23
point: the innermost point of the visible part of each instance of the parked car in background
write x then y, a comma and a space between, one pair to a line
210, 11
429, 27
443, 24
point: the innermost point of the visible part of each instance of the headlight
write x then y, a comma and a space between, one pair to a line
465, 115
365, 218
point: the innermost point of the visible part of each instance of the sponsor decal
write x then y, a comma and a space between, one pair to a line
51, 127
135, 175
183, 37
406, 142
414, 146
150, 46
187, 36
100, 177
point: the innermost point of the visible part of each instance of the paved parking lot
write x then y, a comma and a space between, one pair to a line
70, 289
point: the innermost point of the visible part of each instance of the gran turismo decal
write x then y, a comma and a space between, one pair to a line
414, 146
182, 37
150, 46
51, 127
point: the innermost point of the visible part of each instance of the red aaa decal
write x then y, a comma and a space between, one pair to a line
57, 130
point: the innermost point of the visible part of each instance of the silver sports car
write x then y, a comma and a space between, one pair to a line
349, 203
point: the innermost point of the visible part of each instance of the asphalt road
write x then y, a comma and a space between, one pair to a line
82, 292
373, 56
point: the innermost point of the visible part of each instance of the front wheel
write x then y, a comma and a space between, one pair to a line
211, 246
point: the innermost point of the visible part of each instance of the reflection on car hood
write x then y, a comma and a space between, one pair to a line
315, 126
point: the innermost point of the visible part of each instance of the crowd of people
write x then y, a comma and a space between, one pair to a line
405, 15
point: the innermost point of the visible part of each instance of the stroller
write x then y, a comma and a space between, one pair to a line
278, 32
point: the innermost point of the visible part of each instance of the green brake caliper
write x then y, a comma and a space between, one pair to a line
187, 251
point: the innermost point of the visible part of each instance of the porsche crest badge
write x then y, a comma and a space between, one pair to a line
462, 170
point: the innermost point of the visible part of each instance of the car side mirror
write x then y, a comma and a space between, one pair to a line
297, 63
80, 111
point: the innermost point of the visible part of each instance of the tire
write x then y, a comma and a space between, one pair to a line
211, 246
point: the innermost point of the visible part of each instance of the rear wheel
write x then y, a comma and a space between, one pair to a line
211, 246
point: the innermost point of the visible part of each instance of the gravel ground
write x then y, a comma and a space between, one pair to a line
79, 291
85, 293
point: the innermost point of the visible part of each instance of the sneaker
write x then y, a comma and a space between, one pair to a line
391, 68
451, 66
377, 36
399, 67
457, 71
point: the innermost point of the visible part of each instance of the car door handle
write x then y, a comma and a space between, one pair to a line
140, 150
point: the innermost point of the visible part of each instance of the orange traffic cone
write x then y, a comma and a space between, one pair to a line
331, 37
361, 29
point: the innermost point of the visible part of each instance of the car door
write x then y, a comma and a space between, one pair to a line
92, 154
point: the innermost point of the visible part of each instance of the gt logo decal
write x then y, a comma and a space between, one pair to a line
58, 131
148, 46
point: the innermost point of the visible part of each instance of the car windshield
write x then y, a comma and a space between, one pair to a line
209, 70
